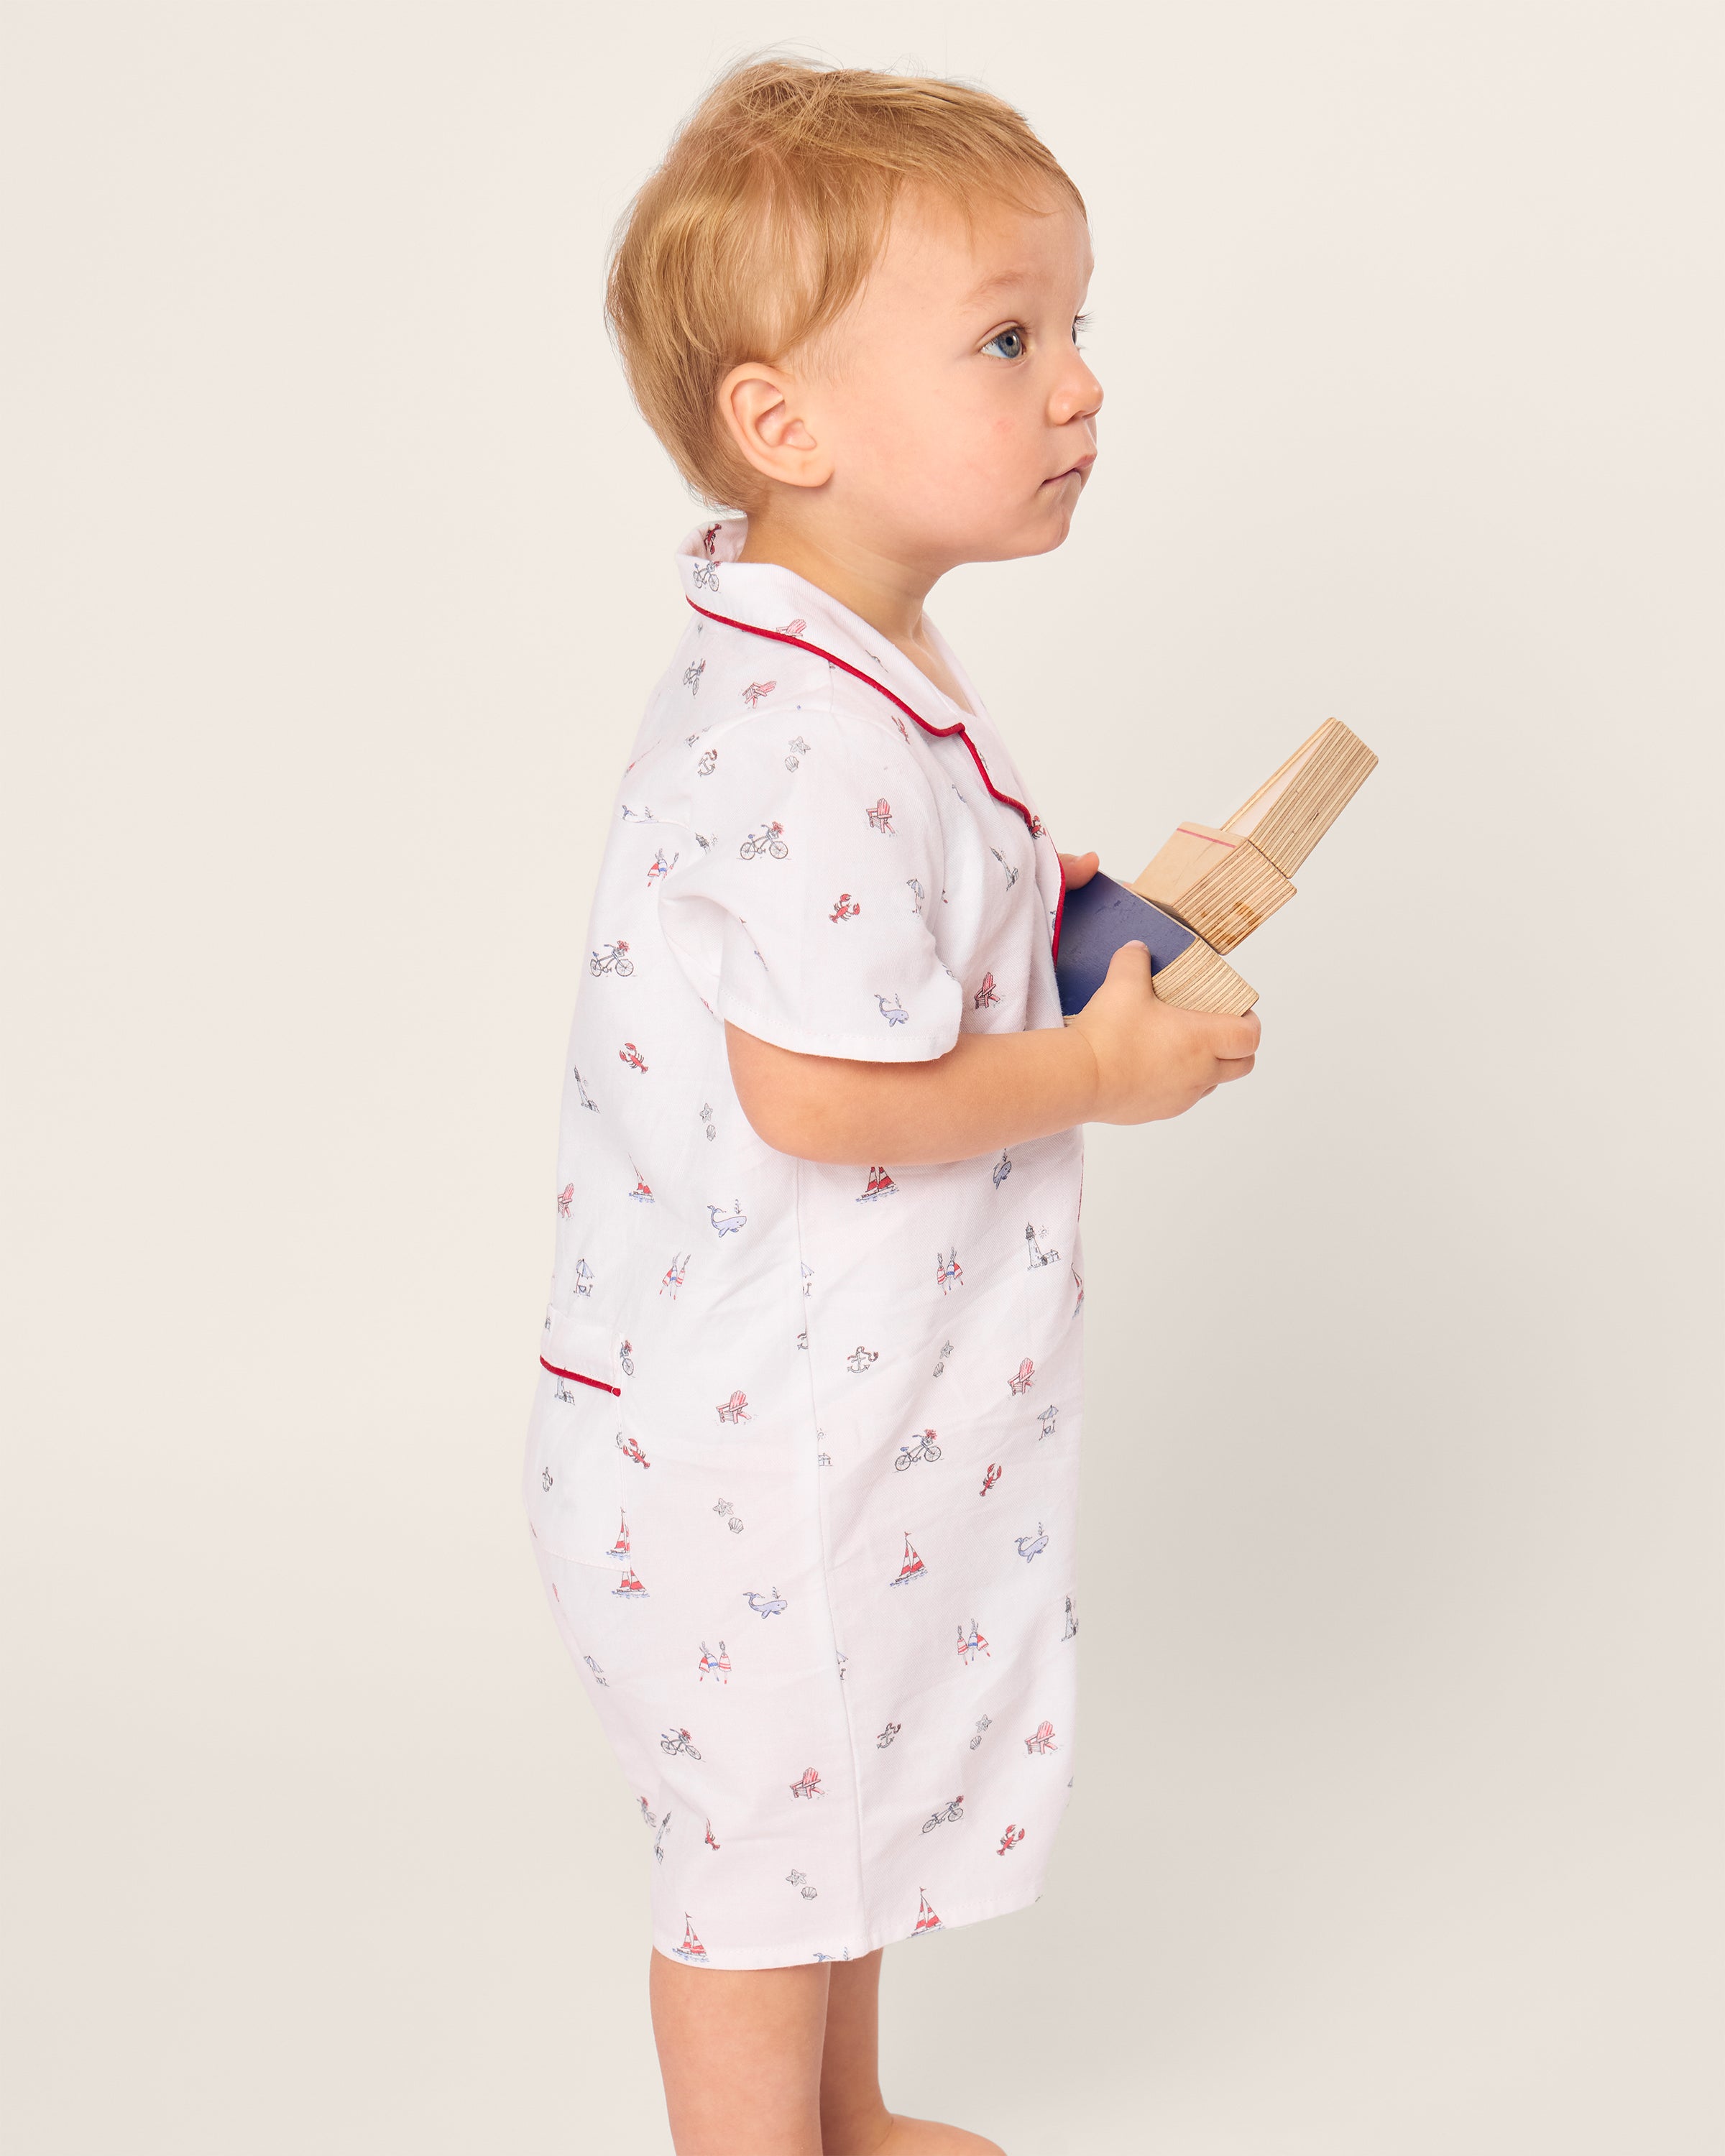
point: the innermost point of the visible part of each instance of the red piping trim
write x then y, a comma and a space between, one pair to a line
1033, 823
581, 1377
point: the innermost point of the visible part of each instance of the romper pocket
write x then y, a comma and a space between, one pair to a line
572, 1484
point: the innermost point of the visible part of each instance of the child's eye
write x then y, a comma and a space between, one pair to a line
1013, 338
1080, 323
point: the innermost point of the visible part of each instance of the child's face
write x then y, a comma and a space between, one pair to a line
950, 415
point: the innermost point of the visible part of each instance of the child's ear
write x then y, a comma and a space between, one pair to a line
760, 407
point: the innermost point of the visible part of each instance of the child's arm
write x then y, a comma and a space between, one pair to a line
1126, 1057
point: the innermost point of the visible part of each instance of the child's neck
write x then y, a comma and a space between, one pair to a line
887, 594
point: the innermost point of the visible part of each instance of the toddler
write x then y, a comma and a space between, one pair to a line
801, 1468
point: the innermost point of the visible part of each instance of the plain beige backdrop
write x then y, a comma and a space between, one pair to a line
1396, 1831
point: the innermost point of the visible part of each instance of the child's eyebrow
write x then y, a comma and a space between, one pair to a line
1002, 280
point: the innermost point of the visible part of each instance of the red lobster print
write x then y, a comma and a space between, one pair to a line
630, 1054
847, 909
630, 1450
1010, 1839
990, 1479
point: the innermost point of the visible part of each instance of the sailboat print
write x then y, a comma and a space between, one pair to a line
629, 1586
879, 1184
619, 1549
692, 1949
913, 1568
927, 1920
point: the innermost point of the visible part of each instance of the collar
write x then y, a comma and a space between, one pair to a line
764, 600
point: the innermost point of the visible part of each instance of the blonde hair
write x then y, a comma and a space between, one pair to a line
770, 207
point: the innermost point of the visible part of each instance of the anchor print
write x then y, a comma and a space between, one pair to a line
756, 689
735, 1408
1010, 1839
704, 767
847, 908
879, 1184
800, 1879
712, 1664
1026, 1378
727, 1512
630, 1054
860, 1358
768, 839
1030, 1547
954, 1810
986, 1722
1003, 1167
807, 1785
803, 1337
1041, 1738
674, 1275
1033, 1250
727, 1224
880, 816
976, 1644
924, 1448
892, 1011
886, 1736
995, 1472
631, 1451
615, 959
986, 994
948, 1270
766, 1605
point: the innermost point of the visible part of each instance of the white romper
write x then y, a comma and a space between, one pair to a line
801, 1468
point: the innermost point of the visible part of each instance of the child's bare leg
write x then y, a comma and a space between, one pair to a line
854, 2119
740, 2050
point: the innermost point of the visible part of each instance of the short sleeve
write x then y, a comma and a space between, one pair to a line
803, 913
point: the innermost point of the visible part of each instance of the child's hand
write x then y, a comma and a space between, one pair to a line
1079, 868
1153, 1059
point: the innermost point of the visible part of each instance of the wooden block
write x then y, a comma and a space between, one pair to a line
1296, 805
1217, 883
1199, 980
